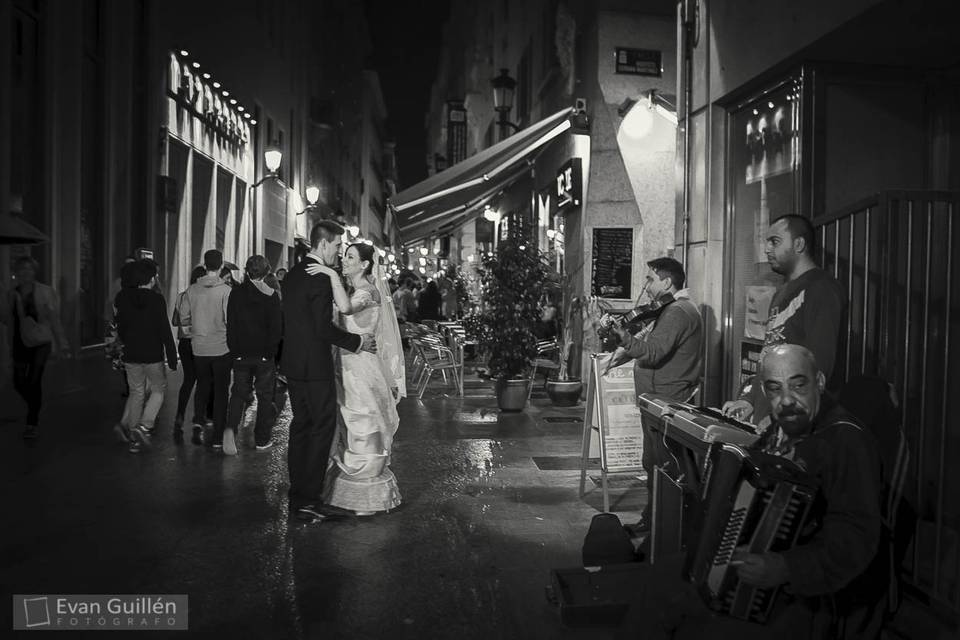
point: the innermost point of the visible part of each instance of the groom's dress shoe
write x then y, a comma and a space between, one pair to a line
309, 513
320, 512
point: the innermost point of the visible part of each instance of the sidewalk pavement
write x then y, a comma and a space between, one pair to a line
490, 505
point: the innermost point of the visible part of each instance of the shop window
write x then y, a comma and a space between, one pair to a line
765, 181
224, 186
202, 176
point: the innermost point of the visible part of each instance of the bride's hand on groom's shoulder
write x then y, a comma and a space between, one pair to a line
316, 269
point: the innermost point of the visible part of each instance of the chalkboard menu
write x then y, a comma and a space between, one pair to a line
612, 262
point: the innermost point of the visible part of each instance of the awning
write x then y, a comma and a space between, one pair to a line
445, 200
13, 230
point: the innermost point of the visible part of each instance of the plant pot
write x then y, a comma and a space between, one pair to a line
512, 394
565, 393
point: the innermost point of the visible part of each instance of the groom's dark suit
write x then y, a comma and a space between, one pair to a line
307, 362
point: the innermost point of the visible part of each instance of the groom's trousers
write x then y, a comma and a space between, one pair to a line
314, 423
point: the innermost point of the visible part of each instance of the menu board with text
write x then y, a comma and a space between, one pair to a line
612, 261
617, 417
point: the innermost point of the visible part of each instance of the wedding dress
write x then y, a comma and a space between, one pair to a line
362, 480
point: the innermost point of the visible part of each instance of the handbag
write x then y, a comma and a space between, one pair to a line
32, 333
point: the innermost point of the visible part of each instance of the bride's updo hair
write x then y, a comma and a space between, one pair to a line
365, 252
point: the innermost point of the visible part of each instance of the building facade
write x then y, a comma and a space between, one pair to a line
143, 125
599, 203
849, 118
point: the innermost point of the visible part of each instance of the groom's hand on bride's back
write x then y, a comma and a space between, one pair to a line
369, 343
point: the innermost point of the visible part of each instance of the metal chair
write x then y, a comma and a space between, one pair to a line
544, 347
435, 357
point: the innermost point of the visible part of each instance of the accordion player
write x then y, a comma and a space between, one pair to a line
751, 499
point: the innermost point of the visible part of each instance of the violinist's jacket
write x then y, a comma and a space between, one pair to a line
668, 356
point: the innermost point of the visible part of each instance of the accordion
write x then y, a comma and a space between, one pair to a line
750, 499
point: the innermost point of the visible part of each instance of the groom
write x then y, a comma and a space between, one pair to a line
307, 362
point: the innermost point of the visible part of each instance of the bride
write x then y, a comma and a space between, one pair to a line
372, 385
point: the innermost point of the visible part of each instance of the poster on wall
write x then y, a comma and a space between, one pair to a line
757, 311
612, 261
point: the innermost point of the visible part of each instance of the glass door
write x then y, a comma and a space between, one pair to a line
764, 182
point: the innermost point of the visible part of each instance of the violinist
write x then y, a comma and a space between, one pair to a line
667, 353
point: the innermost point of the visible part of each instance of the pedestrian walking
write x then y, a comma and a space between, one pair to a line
253, 337
185, 349
204, 308
146, 335
37, 335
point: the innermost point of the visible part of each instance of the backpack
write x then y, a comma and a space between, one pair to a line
607, 542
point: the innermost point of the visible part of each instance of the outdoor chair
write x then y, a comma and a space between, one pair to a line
434, 358
542, 363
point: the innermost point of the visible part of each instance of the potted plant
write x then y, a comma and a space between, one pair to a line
565, 390
511, 283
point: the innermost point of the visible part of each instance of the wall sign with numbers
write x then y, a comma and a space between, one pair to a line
639, 62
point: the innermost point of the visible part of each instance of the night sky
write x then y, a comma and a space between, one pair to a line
406, 47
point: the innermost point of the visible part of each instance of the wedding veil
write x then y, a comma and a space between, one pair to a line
389, 347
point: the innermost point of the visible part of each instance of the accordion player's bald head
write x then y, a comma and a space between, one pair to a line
793, 357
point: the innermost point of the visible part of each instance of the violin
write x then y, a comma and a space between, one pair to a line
632, 321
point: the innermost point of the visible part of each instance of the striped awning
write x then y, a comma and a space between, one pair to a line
447, 199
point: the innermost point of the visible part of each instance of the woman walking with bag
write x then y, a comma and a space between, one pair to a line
37, 334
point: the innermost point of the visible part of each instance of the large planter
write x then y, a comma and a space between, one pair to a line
512, 394
564, 393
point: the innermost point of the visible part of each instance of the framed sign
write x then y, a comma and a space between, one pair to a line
639, 62
569, 184
612, 412
612, 260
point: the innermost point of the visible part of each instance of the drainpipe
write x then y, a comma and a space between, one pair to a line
690, 18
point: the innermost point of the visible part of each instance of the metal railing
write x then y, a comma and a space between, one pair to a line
893, 252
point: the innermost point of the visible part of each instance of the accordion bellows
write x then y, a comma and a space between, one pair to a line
754, 500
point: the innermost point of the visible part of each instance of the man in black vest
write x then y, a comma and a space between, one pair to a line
307, 362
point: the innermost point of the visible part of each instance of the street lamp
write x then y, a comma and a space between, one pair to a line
272, 159
313, 194
503, 88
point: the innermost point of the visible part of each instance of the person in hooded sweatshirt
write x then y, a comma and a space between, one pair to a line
253, 336
142, 326
204, 309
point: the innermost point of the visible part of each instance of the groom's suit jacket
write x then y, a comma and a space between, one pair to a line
309, 329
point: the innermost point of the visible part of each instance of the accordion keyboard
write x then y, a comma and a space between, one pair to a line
754, 501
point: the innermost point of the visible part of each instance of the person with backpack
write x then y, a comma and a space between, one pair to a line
253, 337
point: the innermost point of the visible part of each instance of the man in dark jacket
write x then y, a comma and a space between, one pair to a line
253, 336
143, 328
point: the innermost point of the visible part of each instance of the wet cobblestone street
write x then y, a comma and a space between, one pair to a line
467, 555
